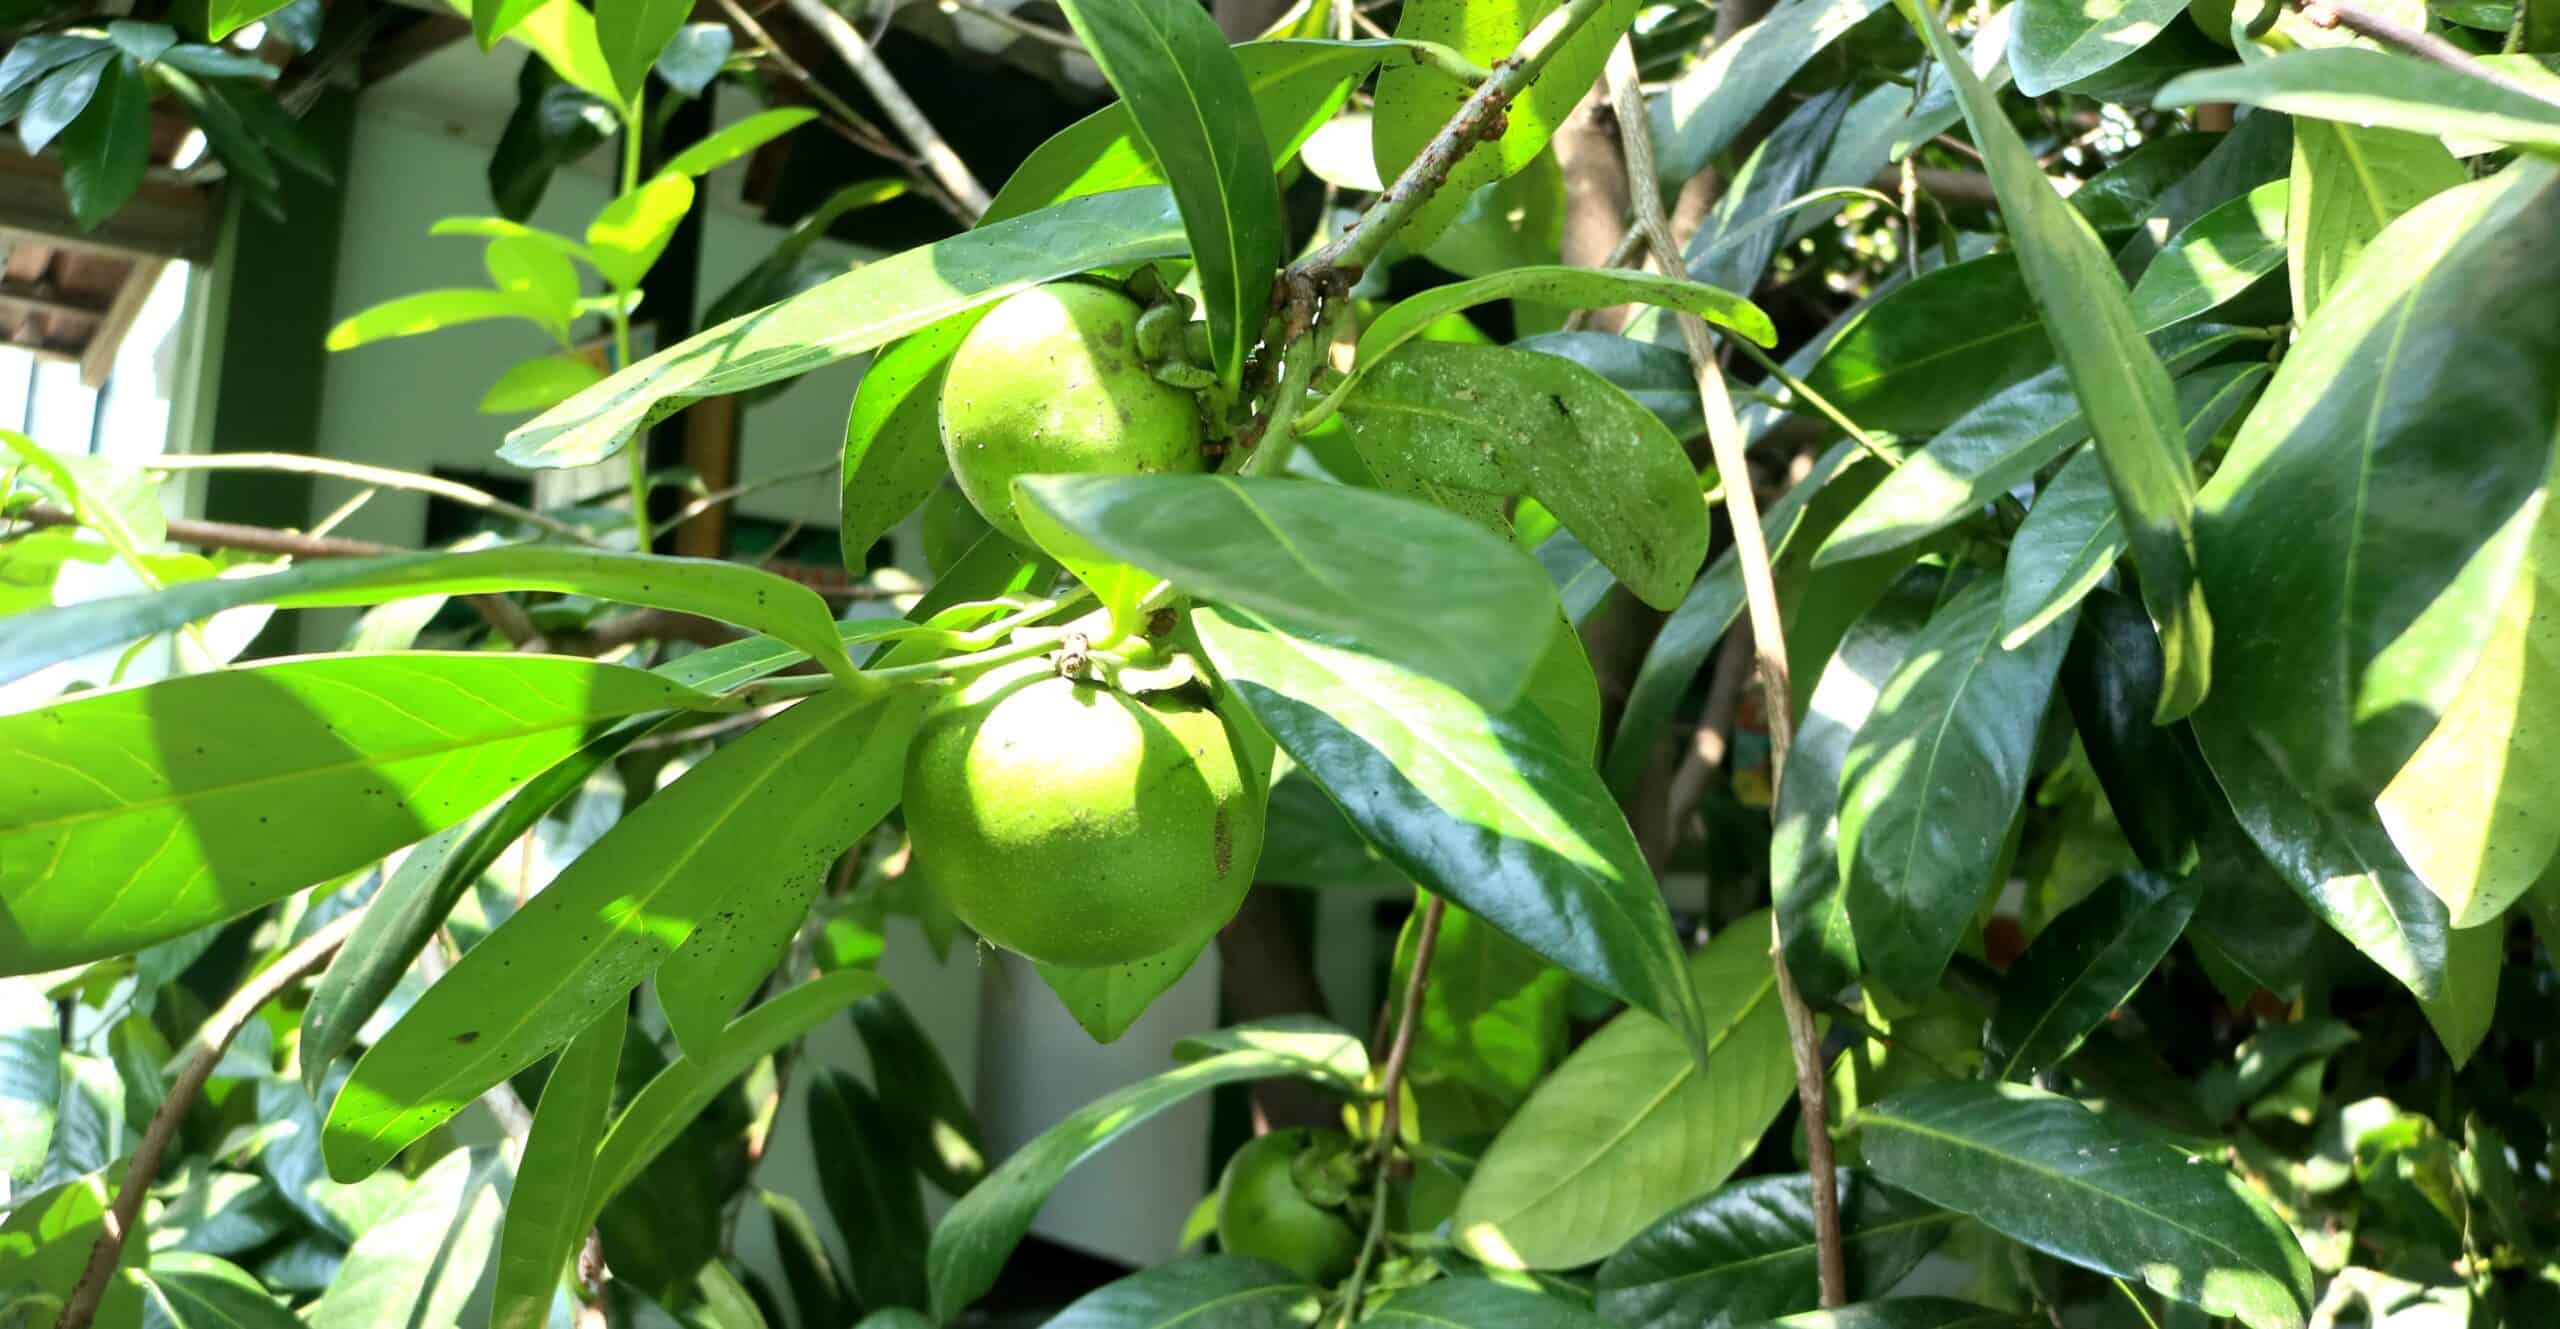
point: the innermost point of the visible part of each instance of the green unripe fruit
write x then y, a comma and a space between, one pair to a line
948, 526
1263, 1214
1080, 826
1052, 382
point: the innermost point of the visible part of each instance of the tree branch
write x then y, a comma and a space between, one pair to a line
380, 477
2425, 45
1760, 599
1391, 1091
204, 1053
945, 164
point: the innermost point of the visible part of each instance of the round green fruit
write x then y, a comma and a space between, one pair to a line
1080, 826
948, 526
1051, 382
1263, 1214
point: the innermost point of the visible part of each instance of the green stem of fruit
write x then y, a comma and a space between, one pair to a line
1426, 941
637, 451
1270, 455
1369, 1246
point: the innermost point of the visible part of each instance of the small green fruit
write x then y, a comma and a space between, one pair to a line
948, 526
1080, 826
1052, 382
1262, 1212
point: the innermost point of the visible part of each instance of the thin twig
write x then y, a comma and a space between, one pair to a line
947, 168
1805, 393
852, 125
719, 496
1021, 27
382, 477
1760, 599
2425, 45
1391, 1090
204, 1053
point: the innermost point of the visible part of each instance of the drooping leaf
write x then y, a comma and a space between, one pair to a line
844, 316
926, 1108
2154, 779
1629, 1126
1714, 99
63, 96
156, 815
1106, 1001
970, 1246
1747, 1250
2215, 258
2080, 968
1771, 188
893, 453
870, 1190
1192, 106
1479, 1303
1467, 427
1227, 1291
621, 908
1419, 587
2358, 86
543, 1231
1493, 809
1930, 782
2043, 1170
418, 1265
2133, 412
107, 150
2052, 42
1930, 350
817, 1293
2348, 183
2462, 1011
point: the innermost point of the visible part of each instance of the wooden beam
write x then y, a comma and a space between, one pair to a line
100, 356
162, 221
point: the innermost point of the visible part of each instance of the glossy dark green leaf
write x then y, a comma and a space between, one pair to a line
158, 818
1193, 108
2348, 183
1493, 809
420, 1262
34, 55
732, 592
2155, 780
817, 1293
2385, 403
1804, 846
1565, 288
1630, 1126
632, 33
2073, 534
1106, 1001
621, 908
2357, 86
926, 1109
2462, 1011
2083, 966
870, 1189
2259, 150
1732, 248
30, 1078
893, 439
1922, 356
1479, 1303
1930, 782
1420, 587
1414, 101
2132, 410
1467, 427
1905, 1313
187, 1290
1746, 1251
62, 96
1214, 1292
971, 1245
106, 151
2052, 43
868, 307
546, 1211
2214, 259
1712, 100
2045, 1171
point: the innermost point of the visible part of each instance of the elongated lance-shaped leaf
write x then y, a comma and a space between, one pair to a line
1747, 1250
927, 1110
2359, 86
1480, 1303
419, 1263
148, 812
1564, 287
870, 1189
868, 307
1225, 1290
542, 1230
2119, 380
618, 911
1190, 101
2080, 968
1714, 99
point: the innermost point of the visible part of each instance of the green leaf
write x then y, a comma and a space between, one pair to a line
2468, 810
226, 132
870, 1190
2053, 42
1467, 427
494, 19
537, 271
1106, 1001
729, 954
1713, 100
1479, 1303
187, 1290
2073, 535
1746, 1250
2043, 1170
31, 57
2423, 354
694, 57
2117, 377
534, 385
631, 33
1905, 1313
45, 1244
2214, 259
1928, 351
2348, 184
2083, 966
224, 17
543, 1228
417, 1265
1492, 1019
728, 145
1192, 106
844, 316
1630, 1126
1804, 846
106, 150
2154, 779
1414, 102
562, 32
1225, 1291
30, 1078
1493, 809
817, 1295
732, 592
2462, 1012
433, 311
625, 239
157, 822
1780, 179
970, 1247
1931, 781
1410, 584
1296, 85
620, 909
893, 453
2354, 86
1564, 287
62, 97
929, 1114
